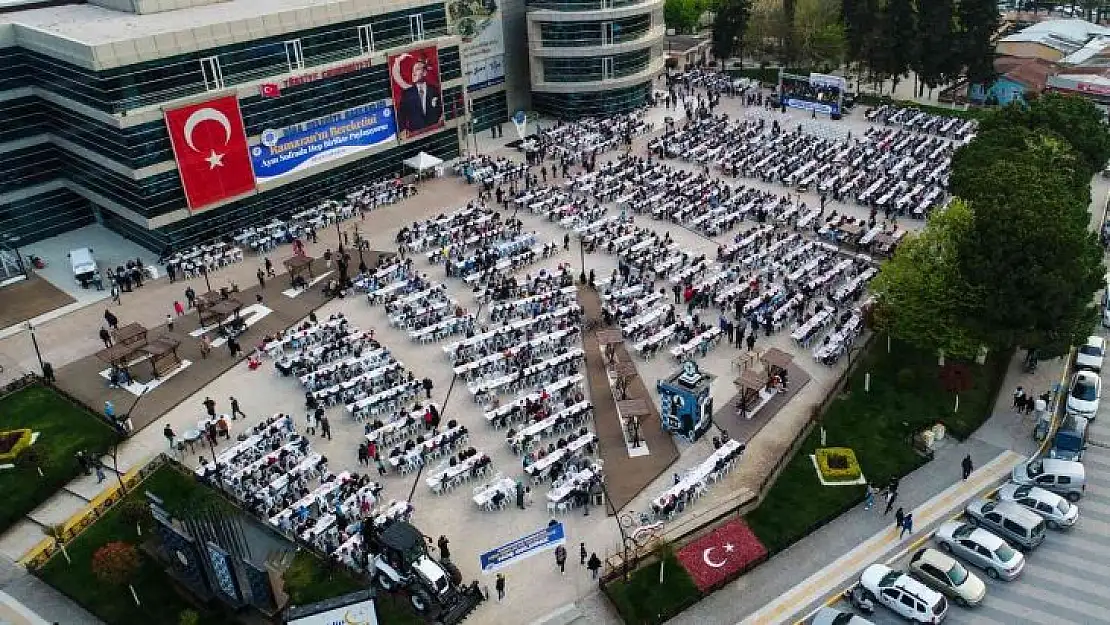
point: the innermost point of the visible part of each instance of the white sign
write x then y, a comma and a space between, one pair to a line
478, 23
362, 613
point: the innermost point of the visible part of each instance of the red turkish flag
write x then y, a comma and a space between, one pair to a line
270, 90
721, 554
210, 146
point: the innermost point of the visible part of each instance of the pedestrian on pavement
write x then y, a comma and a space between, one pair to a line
500, 586
363, 455
582, 554
594, 565
178, 308
269, 267
235, 410
209, 406
899, 517
261, 278
561, 559
110, 410
168, 433
110, 319
427, 387
169, 322
99, 472
105, 336
869, 498
566, 238
891, 495
325, 427
310, 420
444, 552
190, 296
205, 346
1019, 398
751, 341
381, 464
967, 466
234, 347
907, 525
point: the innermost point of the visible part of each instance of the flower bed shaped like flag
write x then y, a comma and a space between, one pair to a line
721, 555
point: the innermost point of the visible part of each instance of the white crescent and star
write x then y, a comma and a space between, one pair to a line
214, 158
395, 71
728, 547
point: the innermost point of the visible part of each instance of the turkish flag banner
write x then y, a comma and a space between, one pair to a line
721, 554
210, 147
270, 90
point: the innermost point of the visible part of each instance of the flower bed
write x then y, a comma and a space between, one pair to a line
12, 443
837, 464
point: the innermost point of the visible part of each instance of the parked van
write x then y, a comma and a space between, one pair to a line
83, 263
1066, 478
1023, 529
1070, 440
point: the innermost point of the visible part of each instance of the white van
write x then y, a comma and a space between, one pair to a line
83, 263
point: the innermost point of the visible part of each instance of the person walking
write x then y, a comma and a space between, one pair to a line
594, 565
234, 347
751, 341
907, 525
325, 427
178, 308
169, 322
190, 296
427, 383
869, 498
111, 320
261, 278
310, 423
209, 406
235, 410
380, 463
99, 471
899, 517
891, 495
168, 433
205, 346
444, 552
561, 559
967, 466
499, 585
105, 336
269, 267
582, 554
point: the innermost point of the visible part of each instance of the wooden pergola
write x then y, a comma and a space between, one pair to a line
218, 310
163, 353
130, 334
749, 384
632, 412
297, 266
119, 355
608, 340
776, 361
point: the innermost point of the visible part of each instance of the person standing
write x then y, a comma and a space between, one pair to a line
325, 427
209, 407
111, 320
178, 308
427, 383
907, 525
444, 552
751, 341
899, 517
594, 565
205, 346
261, 278
561, 559
99, 471
499, 585
967, 466
269, 267
169, 322
191, 296
168, 433
105, 336
233, 346
380, 463
235, 410
582, 554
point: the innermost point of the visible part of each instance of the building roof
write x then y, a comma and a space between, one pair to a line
1067, 36
1030, 73
1093, 48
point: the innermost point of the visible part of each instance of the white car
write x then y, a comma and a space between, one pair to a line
1057, 512
832, 616
1084, 394
1091, 354
904, 595
981, 548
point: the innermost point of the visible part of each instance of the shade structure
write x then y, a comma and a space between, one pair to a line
423, 161
775, 357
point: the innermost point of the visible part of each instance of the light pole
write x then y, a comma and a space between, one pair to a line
358, 242
35, 342
13, 241
204, 272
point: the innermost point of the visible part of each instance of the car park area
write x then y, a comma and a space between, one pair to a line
1063, 580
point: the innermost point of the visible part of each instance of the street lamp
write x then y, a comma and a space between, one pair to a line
13, 240
204, 272
35, 342
358, 243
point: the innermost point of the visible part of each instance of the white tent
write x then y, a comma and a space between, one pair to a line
423, 161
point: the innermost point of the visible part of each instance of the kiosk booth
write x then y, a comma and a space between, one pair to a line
686, 400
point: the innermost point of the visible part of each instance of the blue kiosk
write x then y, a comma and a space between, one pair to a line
686, 402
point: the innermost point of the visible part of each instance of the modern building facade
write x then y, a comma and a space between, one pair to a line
593, 57
109, 109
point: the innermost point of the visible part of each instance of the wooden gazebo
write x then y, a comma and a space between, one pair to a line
775, 361
608, 340
748, 385
163, 353
297, 266
632, 412
624, 373
217, 311
130, 334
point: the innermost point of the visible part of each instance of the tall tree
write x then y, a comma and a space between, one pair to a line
787, 49
729, 26
934, 60
897, 40
860, 19
922, 299
682, 15
978, 22
818, 33
1072, 117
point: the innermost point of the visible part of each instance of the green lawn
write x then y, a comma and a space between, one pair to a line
644, 601
161, 602
64, 428
906, 395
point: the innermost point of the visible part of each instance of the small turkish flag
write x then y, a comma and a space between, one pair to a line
720, 555
210, 147
270, 90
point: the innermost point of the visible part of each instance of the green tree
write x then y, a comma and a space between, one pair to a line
818, 33
896, 40
935, 60
1074, 118
861, 24
682, 15
729, 24
977, 23
787, 48
920, 293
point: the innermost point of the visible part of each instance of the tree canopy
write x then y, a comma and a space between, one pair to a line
682, 15
729, 24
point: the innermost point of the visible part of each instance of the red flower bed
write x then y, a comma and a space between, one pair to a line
721, 555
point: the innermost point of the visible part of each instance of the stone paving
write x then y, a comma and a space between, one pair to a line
534, 586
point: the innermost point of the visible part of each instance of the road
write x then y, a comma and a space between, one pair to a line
1065, 579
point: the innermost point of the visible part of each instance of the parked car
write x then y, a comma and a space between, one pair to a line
1056, 511
83, 264
980, 548
904, 595
1091, 354
1084, 394
945, 574
832, 616
1063, 477
1018, 526
1070, 440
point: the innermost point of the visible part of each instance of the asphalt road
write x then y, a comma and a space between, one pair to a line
1065, 579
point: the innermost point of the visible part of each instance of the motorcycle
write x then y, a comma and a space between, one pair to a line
859, 599
36, 261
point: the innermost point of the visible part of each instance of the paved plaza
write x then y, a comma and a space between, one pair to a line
535, 587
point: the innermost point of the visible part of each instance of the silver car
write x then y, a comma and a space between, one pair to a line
981, 548
832, 616
1054, 509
